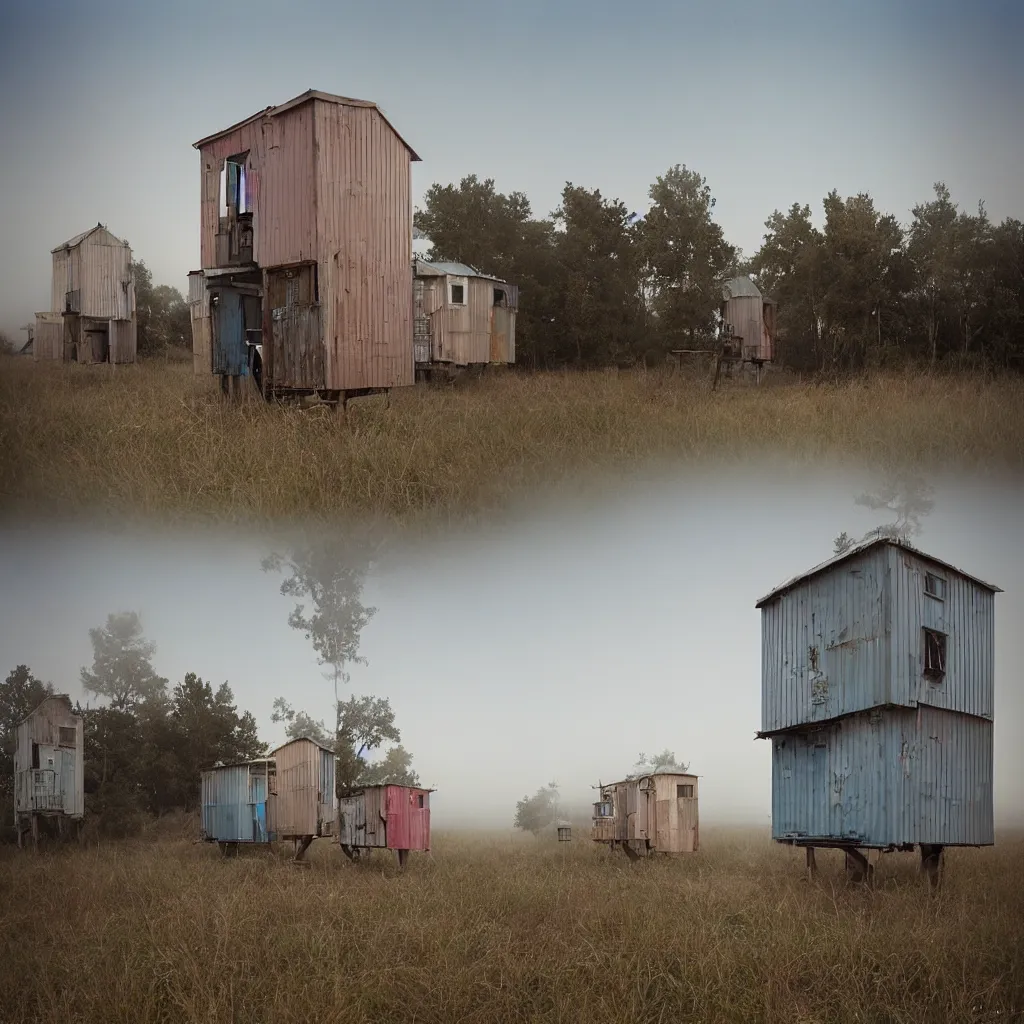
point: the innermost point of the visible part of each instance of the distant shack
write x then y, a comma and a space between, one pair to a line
877, 696
49, 768
461, 318
92, 315
655, 813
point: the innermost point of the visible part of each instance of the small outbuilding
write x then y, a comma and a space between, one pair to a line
302, 803
236, 802
462, 317
92, 315
877, 695
49, 767
385, 818
652, 813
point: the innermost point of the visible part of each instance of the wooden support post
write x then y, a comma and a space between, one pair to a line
931, 864
857, 867
35, 831
301, 847
403, 856
812, 864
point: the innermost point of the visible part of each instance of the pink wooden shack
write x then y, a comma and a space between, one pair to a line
385, 818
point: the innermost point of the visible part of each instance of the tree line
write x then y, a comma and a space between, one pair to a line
602, 285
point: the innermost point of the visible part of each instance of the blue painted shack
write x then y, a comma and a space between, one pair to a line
878, 680
235, 803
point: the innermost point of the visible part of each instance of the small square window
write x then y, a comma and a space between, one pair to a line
458, 295
934, 654
935, 586
67, 736
684, 790
420, 800
499, 297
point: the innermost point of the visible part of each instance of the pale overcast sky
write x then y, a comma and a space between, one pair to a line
557, 646
773, 103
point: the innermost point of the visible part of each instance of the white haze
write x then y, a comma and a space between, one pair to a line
556, 647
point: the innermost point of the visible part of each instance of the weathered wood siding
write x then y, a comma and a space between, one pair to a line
304, 803
49, 765
364, 238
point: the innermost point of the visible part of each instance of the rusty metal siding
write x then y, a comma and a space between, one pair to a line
886, 778
48, 337
57, 785
280, 187
364, 238
966, 615
363, 819
825, 645
300, 797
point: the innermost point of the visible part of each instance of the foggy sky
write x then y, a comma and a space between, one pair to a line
773, 103
555, 647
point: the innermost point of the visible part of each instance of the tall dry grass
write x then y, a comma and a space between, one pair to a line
489, 929
152, 439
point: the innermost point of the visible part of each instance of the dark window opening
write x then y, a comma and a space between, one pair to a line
685, 790
66, 736
458, 295
233, 185
499, 297
934, 654
420, 800
935, 586
35, 755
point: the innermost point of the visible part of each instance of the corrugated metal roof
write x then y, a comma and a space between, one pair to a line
455, 270
738, 287
297, 739
78, 239
308, 96
863, 546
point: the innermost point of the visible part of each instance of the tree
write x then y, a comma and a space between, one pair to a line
205, 728
394, 769
906, 495
20, 694
685, 254
843, 543
330, 573
364, 724
666, 760
788, 268
298, 724
601, 311
535, 813
122, 668
162, 314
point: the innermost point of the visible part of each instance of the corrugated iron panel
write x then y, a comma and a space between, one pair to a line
107, 285
122, 341
230, 814
364, 234
966, 615
886, 778
408, 818
48, 337
230, 353
304, 805
825, 648
852, 638
745, 313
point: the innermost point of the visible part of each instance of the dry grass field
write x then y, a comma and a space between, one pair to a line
491, 928
151, 439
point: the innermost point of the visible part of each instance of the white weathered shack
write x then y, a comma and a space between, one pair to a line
49, 767
92, 298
